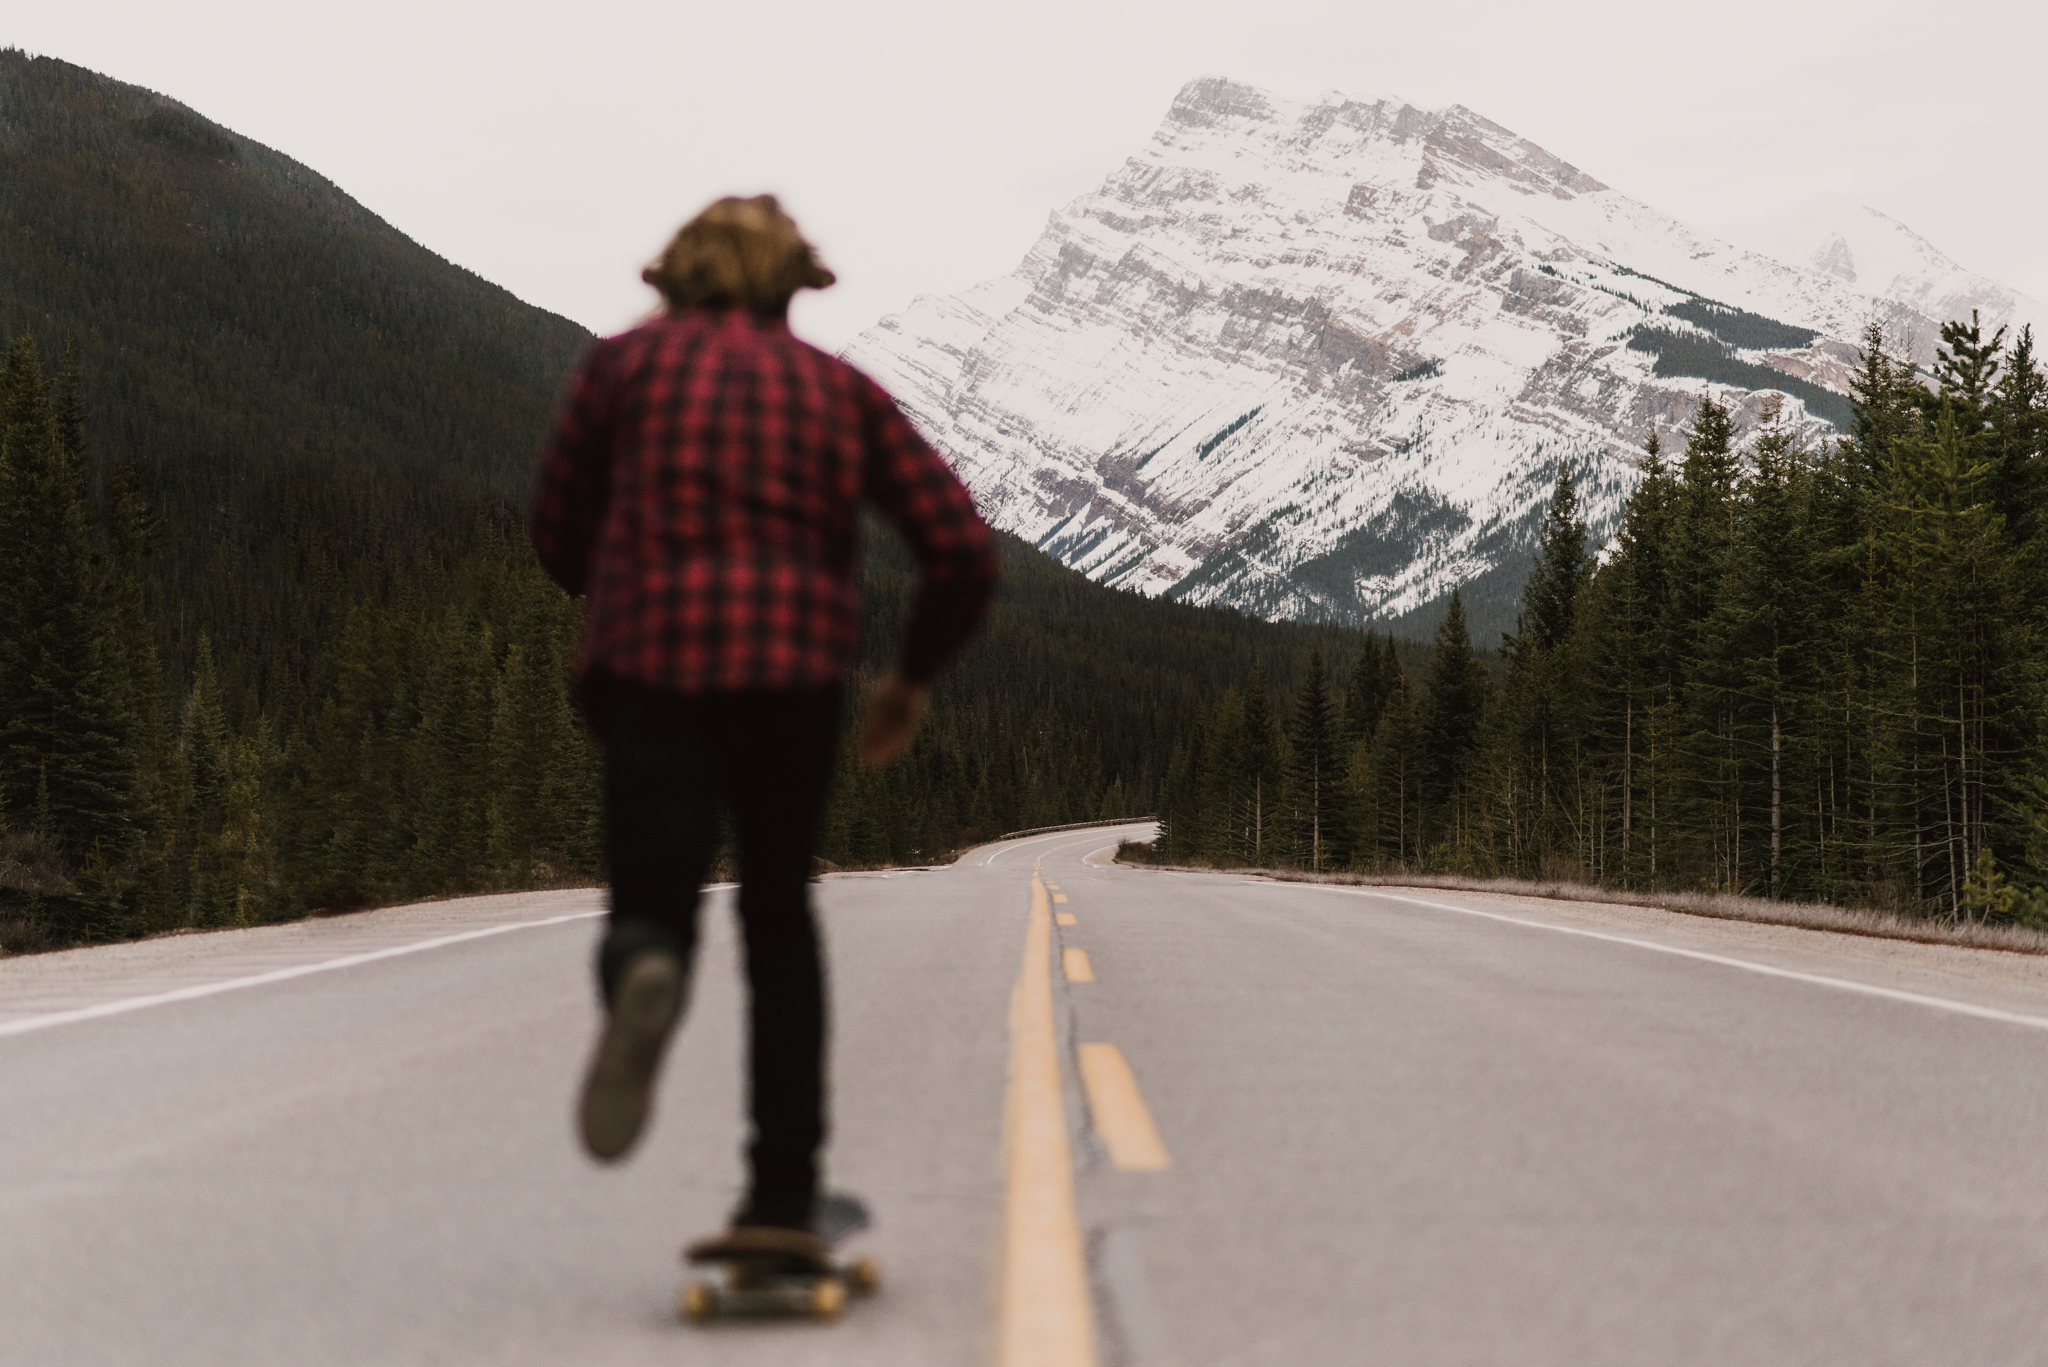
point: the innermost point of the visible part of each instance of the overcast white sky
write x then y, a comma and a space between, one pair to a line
552, 148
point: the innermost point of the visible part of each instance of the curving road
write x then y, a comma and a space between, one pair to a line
1247, 1122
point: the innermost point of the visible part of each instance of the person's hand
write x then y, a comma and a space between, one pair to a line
894, 710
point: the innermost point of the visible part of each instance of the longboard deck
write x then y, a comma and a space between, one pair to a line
759, 1271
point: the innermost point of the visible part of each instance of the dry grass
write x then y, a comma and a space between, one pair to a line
1717, 906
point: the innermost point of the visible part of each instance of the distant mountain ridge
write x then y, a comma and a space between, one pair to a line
1321, 358
1882, 257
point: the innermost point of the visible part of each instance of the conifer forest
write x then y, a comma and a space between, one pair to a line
272, 641
415, 734
1802, 670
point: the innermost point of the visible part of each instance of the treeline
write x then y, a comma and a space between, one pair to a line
1689, 354
416, 735
1064, 708
1797, 672
434, 750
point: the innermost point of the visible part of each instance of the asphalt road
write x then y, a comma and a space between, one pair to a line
1353, 1126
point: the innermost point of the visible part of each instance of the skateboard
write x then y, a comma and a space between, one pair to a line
762, 1271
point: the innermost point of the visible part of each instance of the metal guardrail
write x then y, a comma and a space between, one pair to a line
1076, 826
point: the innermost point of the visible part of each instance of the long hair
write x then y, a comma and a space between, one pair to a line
738, 253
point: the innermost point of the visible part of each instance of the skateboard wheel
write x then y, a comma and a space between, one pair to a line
864, 1275
828, 1298
699, 1302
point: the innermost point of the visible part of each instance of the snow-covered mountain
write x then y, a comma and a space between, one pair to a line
1320, 358
1881, 256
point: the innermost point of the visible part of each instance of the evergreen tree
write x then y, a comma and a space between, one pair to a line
1366, 692
542, 819
1181, 827
1543, 713
452, 759
1764, 624
1706, 796
1972, 685
1259, 775
2019, 477
1314, 774
1550, 598
1965, 369
1632, 675
1389, 826
1887, 418
1453, 715
67, 762
228, 862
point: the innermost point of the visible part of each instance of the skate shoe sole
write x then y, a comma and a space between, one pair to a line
618, 1092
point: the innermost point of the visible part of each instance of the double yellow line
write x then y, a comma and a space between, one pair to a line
1047, 1317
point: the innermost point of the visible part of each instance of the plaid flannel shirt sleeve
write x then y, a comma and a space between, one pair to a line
921, 497
575, 476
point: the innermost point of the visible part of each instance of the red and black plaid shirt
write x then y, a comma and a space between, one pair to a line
700, 491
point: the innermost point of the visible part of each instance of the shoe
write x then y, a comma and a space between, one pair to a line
761, 1241
831, 1217
618, 1090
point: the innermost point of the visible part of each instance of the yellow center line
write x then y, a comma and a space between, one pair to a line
1065, 918
1121, 1117
1075, 963
1046, 1318
1059, 897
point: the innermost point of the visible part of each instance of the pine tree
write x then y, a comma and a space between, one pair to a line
543, 806
1707, 799
1550, 598
1631, 675
67, 761
1764, 622
451, 759
1366, 692
1260, 773
1453, 710
1543, 717
1965, 368
1315, 789
1389, 828
1974, 697
350, 833
2019, 479
1182, 830
1874, 829
1223, 778
225, 847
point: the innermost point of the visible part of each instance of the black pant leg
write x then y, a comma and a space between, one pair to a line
662, 774
778, 793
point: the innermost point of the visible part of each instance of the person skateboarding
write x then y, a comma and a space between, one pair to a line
700, 493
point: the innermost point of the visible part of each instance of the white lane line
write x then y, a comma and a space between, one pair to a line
184, 994
1071, 837
1950, 1004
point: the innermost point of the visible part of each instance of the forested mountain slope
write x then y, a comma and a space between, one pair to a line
312, 397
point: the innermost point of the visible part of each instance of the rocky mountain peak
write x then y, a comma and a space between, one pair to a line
1322, 358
